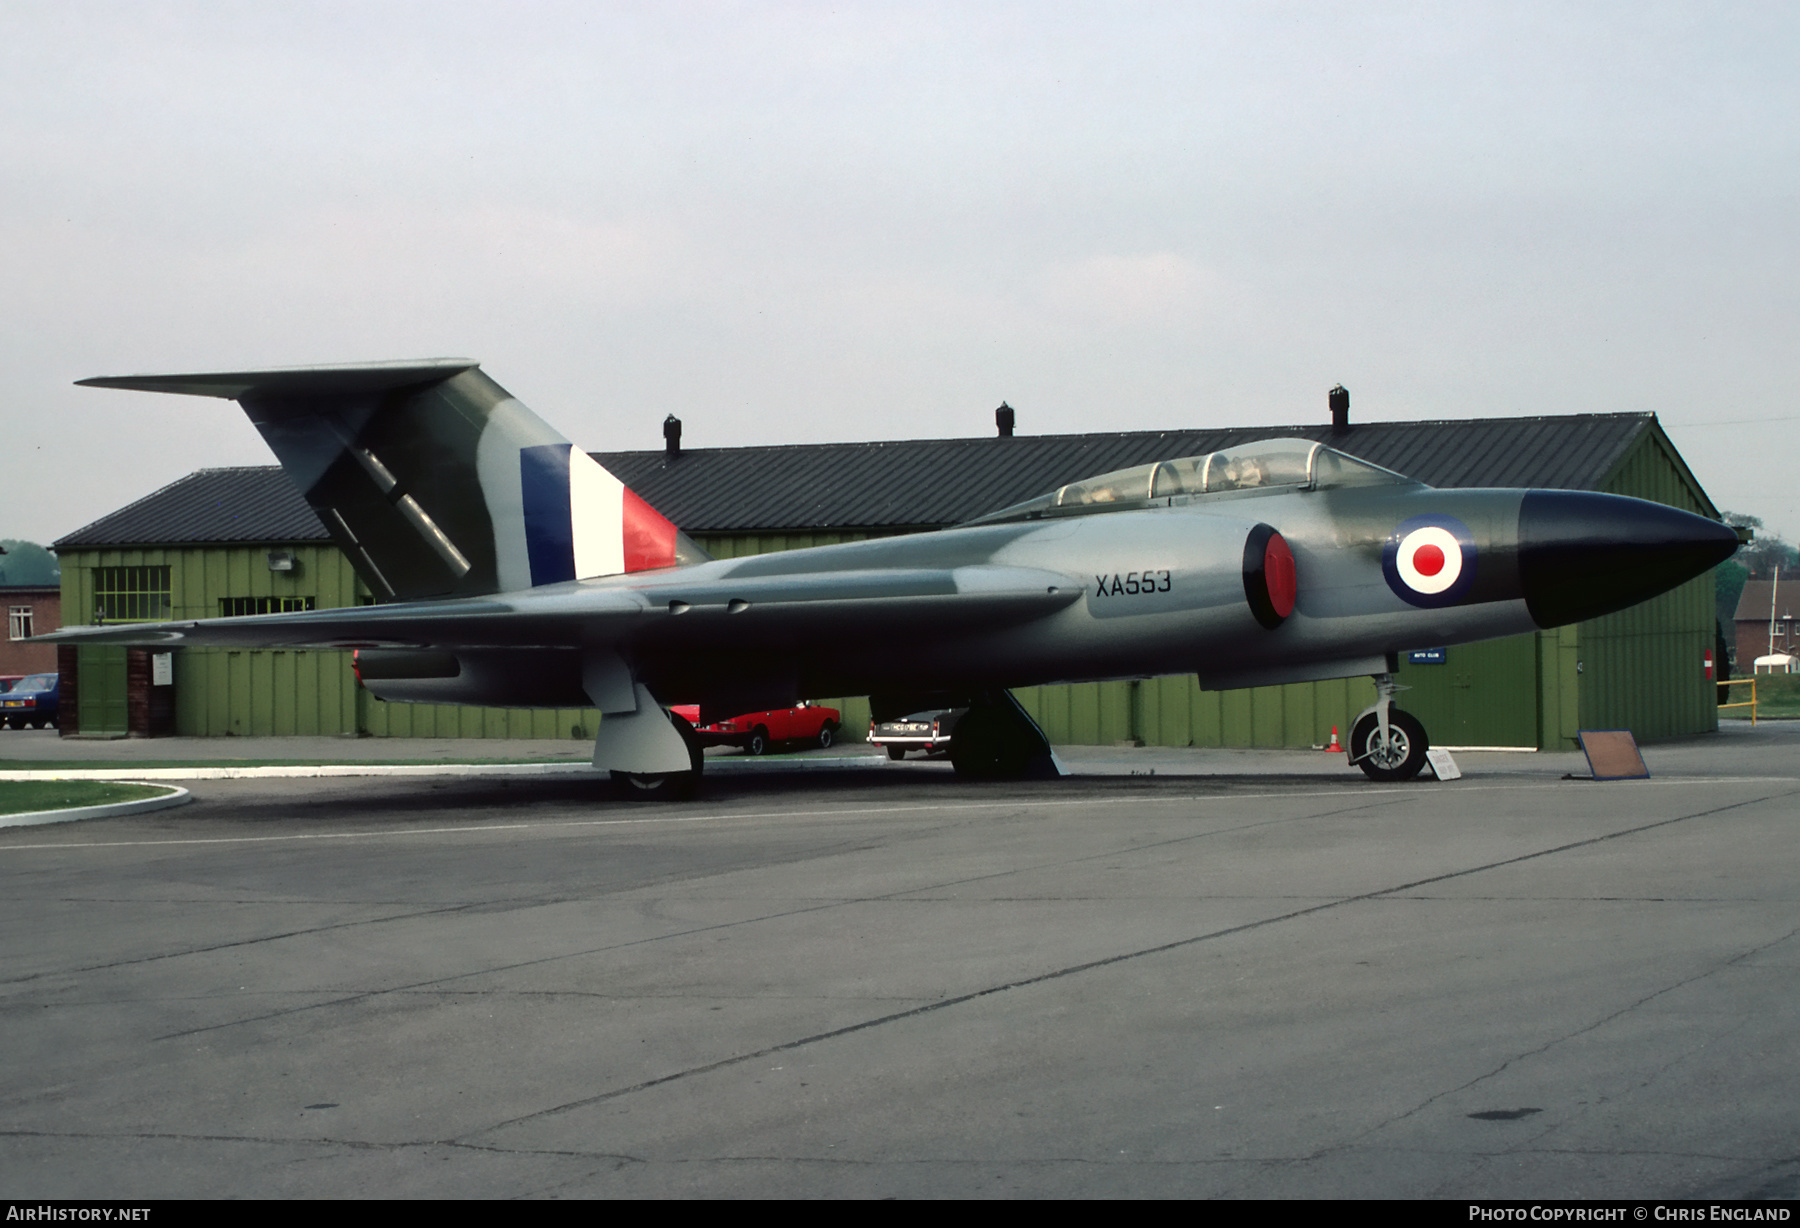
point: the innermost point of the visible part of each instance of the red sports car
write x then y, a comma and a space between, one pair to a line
807, 724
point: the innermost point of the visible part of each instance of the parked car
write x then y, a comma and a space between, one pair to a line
805, 724
32, 700
927, 731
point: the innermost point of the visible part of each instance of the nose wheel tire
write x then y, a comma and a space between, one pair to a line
1400, 757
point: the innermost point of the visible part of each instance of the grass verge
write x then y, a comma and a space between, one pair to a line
1777, 698
23, 796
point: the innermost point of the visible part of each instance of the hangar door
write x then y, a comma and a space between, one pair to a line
101, 693
1476, 694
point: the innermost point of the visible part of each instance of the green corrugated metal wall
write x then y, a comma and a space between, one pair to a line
229, 691
1481, 695
1174, 711
1639, 669
274, 692
1642, 669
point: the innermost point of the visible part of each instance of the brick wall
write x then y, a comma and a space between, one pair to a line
1753, 640
46, 616
149, 710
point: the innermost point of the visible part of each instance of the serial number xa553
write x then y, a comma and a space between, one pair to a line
1132, 583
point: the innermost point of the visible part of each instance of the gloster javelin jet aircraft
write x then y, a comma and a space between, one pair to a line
513, 570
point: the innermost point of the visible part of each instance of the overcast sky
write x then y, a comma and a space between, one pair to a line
809, 222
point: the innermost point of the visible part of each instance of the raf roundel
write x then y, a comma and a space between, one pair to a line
1430, 561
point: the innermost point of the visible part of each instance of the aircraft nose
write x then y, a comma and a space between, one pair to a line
1582, 555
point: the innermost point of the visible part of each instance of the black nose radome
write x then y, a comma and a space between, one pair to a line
1582, 555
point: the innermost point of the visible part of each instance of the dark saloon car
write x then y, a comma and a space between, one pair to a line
926, 731
31, 701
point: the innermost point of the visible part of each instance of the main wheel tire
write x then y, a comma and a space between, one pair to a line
896, 753
665, 786
656, 786
758, 743
1400, 758
983, 749
827, 735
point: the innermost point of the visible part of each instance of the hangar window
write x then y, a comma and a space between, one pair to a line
130, 594
235, 607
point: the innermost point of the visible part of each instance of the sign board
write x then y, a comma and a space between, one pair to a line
1425, 656
162, 669
1442, 765
1612, 754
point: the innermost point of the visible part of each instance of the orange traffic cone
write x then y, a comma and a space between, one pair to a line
1334, 744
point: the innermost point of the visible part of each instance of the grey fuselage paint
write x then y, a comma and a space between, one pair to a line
1149, 592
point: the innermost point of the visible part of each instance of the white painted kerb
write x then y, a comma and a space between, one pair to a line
175, 796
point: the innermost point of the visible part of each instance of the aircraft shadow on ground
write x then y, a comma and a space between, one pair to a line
488, 800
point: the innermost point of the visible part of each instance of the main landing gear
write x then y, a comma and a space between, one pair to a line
665, 786
1386, 743
996, 739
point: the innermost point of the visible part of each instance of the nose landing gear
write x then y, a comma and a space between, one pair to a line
1386, 743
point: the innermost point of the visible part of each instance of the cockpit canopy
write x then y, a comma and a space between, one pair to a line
1289, 464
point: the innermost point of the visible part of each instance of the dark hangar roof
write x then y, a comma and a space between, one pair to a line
212, 506
946, 481
915, 482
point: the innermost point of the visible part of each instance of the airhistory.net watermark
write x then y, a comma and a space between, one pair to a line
62, 1213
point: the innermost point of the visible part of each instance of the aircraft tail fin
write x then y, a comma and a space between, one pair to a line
436, 482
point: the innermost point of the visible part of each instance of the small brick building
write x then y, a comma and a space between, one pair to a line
31, 609
1761, 601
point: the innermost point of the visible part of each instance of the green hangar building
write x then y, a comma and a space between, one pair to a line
242, 541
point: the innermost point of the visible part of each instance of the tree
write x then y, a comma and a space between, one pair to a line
1728, 586
1762, 556
24, 562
